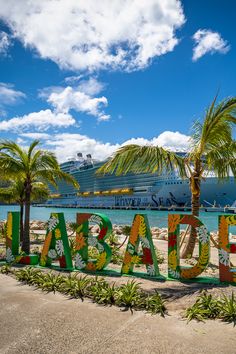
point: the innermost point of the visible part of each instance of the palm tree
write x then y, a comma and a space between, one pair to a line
14, 193
32, 165
212, 148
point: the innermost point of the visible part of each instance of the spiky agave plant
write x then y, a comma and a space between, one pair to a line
129, 296
206, 306
75, 286
6, 269
51, 282
155, 304
227, 307
28, 275
103, 293
95, 287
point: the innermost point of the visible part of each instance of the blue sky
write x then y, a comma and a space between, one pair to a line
89, 76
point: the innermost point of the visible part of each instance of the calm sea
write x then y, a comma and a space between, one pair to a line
122, 217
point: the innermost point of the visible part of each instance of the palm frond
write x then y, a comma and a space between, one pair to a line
14, 150
6, 195
143, 159
59, 174
223, 161
31, 148
216, 130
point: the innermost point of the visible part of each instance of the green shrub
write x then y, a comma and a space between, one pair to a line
130, 296
28, 275
205, 307
103, 293
95, 287
160, 256
6, 269
154, 304
113, 240
227, 307
126, 230
117, 255
51, 282
75, 286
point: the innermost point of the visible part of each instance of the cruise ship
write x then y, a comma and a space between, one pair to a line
135, 190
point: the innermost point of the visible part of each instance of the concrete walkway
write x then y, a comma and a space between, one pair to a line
39, 323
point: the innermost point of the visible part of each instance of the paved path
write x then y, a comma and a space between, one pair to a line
39, 323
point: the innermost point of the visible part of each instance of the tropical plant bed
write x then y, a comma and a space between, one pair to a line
193, 303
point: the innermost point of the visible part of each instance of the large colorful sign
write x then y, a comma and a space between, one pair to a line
139, 250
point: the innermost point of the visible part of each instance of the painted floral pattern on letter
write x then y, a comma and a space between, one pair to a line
9, 256
202, 234
52, 223
79, 263
59, 247
223, 257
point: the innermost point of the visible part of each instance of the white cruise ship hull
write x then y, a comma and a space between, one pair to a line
164, 193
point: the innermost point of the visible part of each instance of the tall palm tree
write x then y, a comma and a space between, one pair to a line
212, 148
32, 165
14, 193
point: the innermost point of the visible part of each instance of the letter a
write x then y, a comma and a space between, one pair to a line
56, 245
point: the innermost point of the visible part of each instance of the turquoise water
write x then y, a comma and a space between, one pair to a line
124, 217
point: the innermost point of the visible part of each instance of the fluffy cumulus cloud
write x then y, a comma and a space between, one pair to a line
8, 95
207, 41
169, 140
67, 145
42, 120
4, 42
172, 141
80, 98
90, 35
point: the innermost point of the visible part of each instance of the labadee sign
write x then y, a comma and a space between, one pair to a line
139, 250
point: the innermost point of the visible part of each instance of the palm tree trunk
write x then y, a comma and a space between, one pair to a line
21, 222
26, 233
195, 189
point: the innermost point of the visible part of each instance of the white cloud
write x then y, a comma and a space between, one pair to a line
42, 136
92, 35
207, 41
79, 98
91, 86
9, 96
73, 79
42, 120
67, 145
4, 42
173, 141
169, 140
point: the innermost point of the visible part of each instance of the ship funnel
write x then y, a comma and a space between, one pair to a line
80, 157
89, 157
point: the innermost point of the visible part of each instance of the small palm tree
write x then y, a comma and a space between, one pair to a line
14, 193
32, 165
212, 148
